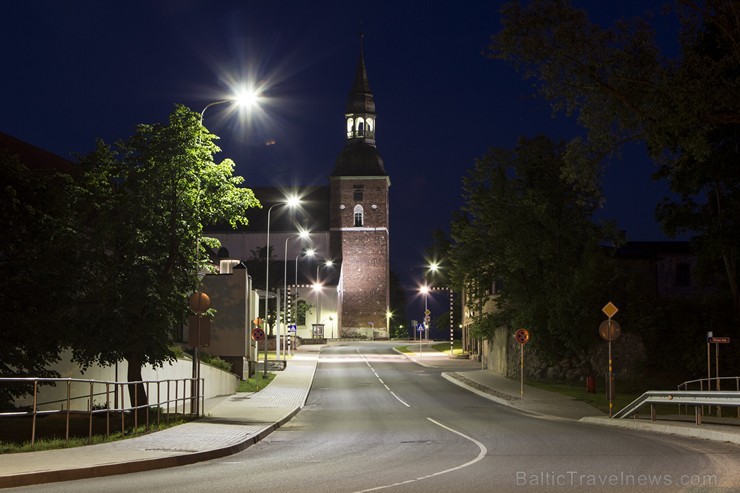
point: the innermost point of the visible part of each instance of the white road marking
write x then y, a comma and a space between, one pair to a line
481, 455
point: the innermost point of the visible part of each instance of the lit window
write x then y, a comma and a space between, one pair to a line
350, 125
359, 220
360, 127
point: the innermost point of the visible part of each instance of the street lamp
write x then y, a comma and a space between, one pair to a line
304, 234
245, 99
317, 287
425, 291
291, 202
308, 253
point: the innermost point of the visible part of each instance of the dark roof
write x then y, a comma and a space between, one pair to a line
34, 158
652, 249
360, 98
313, 213
359, 158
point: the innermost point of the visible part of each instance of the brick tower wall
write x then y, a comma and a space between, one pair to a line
364, 253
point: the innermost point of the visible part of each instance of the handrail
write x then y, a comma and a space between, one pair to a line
109, 405
709, 382
681, 397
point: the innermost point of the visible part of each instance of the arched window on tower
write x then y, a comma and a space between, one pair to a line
359, 216
360, 127
369, 127
350, 127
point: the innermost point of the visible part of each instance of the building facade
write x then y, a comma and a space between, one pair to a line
348, 224
358, 218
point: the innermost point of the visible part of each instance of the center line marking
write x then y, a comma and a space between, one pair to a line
481, 455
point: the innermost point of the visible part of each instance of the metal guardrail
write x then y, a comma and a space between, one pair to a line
708, 383
695, 398
185, 391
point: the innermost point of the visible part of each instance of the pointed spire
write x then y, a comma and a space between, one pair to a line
360, 98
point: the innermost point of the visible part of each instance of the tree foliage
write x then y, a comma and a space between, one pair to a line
525, 222
38, 236
146, 200
103, 262
622, 88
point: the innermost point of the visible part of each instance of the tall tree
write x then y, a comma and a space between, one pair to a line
686, 108
146, 200
38, 282
528, 223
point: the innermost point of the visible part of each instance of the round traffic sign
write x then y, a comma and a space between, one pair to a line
199, 302
609, 330
258, 334
522, 336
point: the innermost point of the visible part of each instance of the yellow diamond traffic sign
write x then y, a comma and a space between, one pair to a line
610, 309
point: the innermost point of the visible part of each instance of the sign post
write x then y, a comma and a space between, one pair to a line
522, 337
199, 303
610, 330
717, 341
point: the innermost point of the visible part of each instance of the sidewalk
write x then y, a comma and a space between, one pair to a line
542, 403
230, 424
235, 422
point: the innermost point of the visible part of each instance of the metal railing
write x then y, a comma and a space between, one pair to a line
707, 384
177, 392
695, 398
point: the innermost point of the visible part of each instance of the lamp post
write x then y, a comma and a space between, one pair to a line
245, 99
425, 291
308, 253
304, 234
317, 287
292, 202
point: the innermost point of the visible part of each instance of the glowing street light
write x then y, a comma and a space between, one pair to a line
304, 234
244, 99
317, 287
292, 202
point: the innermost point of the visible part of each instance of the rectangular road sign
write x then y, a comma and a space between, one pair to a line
719, 340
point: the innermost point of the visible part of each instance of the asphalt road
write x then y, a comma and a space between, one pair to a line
375, 421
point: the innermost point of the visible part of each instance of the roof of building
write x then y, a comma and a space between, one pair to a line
651, 249
34, 158
359, 159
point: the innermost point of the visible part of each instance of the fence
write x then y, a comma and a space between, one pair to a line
707, 384
177, 392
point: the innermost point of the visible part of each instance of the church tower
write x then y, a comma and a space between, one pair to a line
359, 218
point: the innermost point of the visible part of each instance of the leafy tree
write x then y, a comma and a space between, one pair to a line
526, 222
144, 205
38, 235
686, 108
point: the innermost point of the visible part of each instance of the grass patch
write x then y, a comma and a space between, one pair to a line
444, 347
403, 349
53, 443
625, 393
256, 383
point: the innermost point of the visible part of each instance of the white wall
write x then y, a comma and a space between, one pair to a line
217, 382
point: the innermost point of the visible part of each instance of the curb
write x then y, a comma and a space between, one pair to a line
691, 432
28, 479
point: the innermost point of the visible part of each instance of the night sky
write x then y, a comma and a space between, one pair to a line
75, 71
